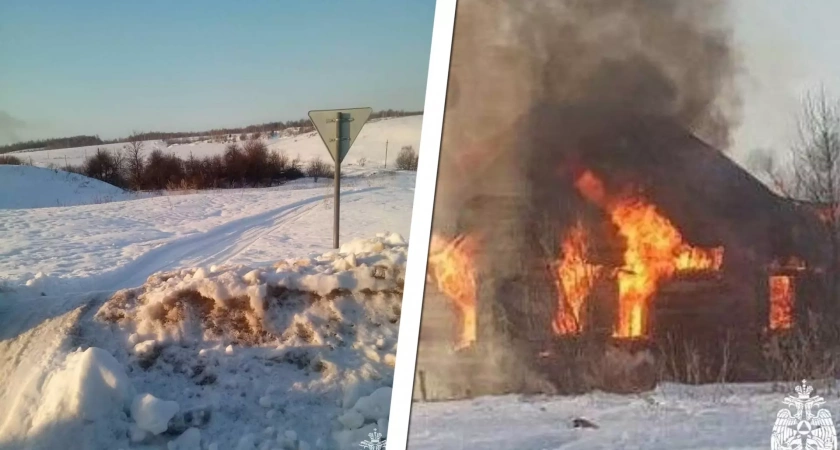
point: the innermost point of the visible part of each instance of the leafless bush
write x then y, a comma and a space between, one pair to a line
278, 161
161, 170
407, 159
255, 153
134, 161
10, 160
235, 164
804, 352
317, 168
105, 166
362, 162
681, 361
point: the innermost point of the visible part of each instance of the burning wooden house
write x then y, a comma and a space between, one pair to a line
634, 236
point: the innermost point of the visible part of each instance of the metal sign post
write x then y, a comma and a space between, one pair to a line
338, 129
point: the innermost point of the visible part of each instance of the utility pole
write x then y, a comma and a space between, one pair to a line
386, 154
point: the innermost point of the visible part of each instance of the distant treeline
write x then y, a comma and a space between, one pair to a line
84, 141
249, 164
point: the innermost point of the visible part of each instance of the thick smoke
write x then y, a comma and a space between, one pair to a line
672, 58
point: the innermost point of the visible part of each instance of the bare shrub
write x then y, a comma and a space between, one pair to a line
10, 160
162, 170
804, 352
407, 159
255, 153
279, 168
236, 165
134, 161
195, 177
105, 166
318, 168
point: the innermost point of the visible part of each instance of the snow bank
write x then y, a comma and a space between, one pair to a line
297, 355
23, 187
84, 401
231, 302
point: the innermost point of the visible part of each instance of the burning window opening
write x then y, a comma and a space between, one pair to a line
781, 302
451, 266
576, 278
655, 251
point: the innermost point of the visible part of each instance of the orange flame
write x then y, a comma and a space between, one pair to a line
576, 278
451, 267
654, 252
781, 302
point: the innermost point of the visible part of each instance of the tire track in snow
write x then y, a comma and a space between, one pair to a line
253, 235
217, 245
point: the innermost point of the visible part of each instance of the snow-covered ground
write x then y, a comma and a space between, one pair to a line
103, 247
36, 187
234, 324
712, 417
369, 146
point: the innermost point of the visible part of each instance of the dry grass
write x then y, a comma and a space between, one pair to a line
236, 322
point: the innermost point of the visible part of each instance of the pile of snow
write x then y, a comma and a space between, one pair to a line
85, 400
24, 187
298, 355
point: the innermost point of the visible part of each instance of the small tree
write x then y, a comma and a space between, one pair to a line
812, 175
134, 160
816, 168
407, 159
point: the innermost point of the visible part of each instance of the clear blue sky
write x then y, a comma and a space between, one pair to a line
110, 67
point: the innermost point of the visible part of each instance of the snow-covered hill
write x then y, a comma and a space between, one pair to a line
35, 187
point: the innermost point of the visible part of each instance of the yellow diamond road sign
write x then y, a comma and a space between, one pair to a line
346, 123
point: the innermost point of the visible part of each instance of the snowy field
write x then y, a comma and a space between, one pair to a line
712, 417
209, 320
369, 146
